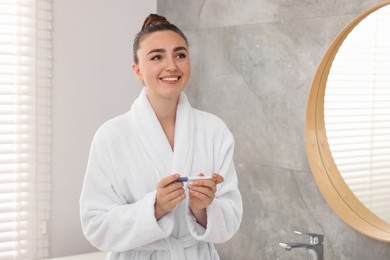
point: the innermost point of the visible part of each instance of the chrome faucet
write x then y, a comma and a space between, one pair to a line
315, 246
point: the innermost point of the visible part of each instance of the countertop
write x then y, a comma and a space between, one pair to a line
89, 256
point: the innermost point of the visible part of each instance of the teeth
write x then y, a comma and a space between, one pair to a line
170, 79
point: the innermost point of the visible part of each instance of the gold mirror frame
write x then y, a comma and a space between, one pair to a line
329, 180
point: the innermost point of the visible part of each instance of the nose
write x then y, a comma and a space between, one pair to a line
171, 65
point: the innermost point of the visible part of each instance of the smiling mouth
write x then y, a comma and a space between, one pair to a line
171, 79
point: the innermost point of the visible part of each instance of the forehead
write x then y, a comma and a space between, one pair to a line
162, 40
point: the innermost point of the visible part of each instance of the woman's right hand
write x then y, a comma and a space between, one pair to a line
169, 194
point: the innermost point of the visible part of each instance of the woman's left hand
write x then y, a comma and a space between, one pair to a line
202, 192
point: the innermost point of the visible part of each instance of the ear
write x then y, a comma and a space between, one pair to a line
137, 71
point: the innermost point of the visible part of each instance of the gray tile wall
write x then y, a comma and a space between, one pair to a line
253, 63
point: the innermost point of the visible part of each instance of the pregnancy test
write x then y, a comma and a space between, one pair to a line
194, 178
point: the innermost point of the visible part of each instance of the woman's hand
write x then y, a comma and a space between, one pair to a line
169, 194
202, 194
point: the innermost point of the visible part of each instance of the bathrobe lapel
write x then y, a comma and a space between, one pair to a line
156, 144
183, 155
166, 161
151, 134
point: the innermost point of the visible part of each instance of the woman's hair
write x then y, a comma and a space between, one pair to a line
154, 23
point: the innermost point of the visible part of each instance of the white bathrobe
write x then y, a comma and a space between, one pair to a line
128, 157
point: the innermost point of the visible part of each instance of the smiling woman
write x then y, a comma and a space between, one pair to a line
133, 203
166, 69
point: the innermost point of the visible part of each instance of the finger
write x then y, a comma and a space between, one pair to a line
217, 178
166, 198
167, 203
174, 194
207, 192
170, 188
179, 198
203, 197
167, 180
207, 183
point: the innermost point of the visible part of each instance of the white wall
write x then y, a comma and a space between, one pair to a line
92, 82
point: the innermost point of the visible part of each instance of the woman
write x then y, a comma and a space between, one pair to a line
132, 203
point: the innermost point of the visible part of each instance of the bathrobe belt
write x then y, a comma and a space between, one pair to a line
175, 246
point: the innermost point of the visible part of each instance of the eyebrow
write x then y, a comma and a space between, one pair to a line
160, 50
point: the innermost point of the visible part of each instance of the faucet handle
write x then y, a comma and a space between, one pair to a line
315, 239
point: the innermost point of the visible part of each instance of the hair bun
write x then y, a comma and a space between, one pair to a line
154, 19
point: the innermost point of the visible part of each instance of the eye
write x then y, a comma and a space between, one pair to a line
157, 57
181, 55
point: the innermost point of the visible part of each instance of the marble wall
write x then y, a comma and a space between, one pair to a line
253, 63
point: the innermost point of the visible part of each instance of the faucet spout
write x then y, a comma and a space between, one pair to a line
315, 246
317, 249
289, 246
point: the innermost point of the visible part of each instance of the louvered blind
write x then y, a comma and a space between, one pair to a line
357, 111
25, 81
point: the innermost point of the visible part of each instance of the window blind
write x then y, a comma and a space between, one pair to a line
357, 112
25, 124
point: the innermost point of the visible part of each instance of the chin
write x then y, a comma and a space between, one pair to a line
166, 91
172, 91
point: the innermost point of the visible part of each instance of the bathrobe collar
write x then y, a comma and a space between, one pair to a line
155, 142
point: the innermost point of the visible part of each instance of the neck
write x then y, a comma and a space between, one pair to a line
165, 109
166, 113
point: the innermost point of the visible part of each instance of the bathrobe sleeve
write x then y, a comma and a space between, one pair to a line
225, 212
109, 222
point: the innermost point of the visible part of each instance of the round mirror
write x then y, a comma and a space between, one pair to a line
348, 123
357, 111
